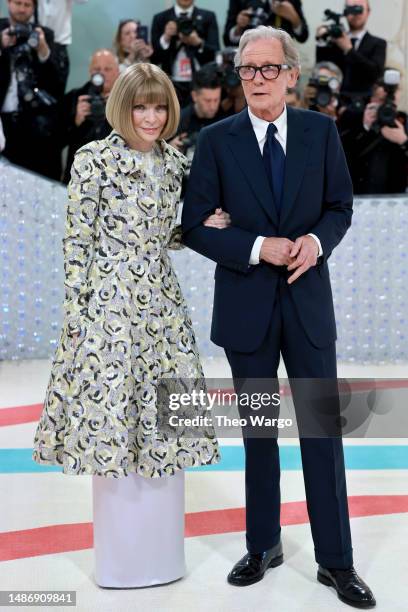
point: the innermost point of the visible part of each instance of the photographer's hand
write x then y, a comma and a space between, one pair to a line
286, 10
396, 134
7, 40
43, 50
331, 108
321, 31
83, 110
192, 40
243, 21
170, 30
343, 42
140, 50
177, 141
370, 116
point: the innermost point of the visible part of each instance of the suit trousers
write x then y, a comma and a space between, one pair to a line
138, 530
322, 457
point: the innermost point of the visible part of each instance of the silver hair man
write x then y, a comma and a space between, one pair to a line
292, 57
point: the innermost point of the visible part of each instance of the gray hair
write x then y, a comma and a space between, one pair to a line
292, 57
327, 66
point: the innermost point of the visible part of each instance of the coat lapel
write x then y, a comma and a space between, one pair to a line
244, 147
297, 146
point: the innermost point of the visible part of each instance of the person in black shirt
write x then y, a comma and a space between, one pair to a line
358, 54
285, 14
205, 110
30, 85
377, 154
83, 110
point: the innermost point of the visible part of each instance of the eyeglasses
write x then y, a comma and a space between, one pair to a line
269, 71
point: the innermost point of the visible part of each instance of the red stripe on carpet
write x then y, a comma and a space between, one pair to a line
79, 536
20, 414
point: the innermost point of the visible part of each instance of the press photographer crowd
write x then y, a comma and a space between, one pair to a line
42, 125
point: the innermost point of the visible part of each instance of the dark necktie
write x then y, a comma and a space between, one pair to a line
274, 161
354, 42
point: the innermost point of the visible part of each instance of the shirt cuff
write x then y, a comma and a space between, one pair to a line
44, 58
299, 29
256, 250
163, 43
318, 244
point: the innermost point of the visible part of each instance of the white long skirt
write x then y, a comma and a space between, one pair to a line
138, 530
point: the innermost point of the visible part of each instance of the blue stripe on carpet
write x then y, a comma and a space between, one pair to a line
18, 460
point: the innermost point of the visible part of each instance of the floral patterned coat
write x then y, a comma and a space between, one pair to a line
123, 297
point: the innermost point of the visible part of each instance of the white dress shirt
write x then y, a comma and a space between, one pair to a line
358, 36
260, 127
2, 138
179, 73
57, 15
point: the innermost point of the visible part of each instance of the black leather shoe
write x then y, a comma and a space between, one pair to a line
252, 567
351, 589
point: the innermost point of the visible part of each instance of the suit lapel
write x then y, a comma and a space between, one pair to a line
244, 147
297, 146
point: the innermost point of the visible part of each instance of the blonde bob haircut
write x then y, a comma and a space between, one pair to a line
141, 83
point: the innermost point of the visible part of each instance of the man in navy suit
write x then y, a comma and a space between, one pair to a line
281, 174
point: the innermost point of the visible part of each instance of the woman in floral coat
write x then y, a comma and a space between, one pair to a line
126, 326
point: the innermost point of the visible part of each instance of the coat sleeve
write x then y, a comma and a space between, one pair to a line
338, 195
211, 42
370, 67
304, 33
230, 247
78, 243
233, 9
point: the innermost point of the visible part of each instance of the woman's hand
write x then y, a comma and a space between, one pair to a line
220, 219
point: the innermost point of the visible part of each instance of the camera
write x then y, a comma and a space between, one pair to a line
186, 25
224, 66
96, 99
326, 88
142, 32
26, 36
257, 13
336, 29
387, 113
27, 39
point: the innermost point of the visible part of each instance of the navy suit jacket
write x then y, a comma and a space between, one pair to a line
228, 172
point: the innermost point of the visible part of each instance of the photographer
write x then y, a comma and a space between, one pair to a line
358, 54
130, 47
321, 94
205, 110
57, 15
29, 87
184, 38
245, 14
83, 115
377, 152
